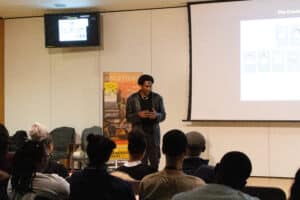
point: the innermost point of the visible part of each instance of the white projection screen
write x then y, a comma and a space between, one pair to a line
245, 60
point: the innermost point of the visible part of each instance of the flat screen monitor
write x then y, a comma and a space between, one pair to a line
71, 30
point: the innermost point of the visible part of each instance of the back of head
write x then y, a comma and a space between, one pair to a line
26, 163
38, 132
145, 77
234, 170
295, 189
4, 139
20, 137
174, 143
136, 143
99, 149
196, 143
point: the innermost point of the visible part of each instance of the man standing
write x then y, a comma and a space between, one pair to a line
145, 110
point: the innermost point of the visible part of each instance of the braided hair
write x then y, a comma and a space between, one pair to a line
25, 166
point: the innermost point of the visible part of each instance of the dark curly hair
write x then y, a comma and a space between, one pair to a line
145, 77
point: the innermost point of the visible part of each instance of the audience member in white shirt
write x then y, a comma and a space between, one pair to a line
26, 176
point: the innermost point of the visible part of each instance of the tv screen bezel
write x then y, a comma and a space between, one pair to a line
51, 28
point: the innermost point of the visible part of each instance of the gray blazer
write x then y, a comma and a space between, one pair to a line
133, 106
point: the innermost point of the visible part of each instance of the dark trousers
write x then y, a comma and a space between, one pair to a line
152, 153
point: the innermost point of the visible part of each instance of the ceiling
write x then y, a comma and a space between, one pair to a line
26, 8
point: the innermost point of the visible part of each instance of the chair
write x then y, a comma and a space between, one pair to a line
265, 193
79, 157
63, 138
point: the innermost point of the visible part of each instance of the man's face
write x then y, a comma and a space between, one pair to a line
146, 87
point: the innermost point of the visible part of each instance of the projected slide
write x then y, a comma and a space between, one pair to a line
270, 59
73, 29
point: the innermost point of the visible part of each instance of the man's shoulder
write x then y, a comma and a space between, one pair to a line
193, 179
151, 177
156, 95
134, 95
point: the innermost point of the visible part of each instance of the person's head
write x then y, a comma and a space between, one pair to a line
145, 82
295, 189
99, 149
136, 145
39, 132
233, 170
174, 145
32, 157
196, 143
4, 140
20, 138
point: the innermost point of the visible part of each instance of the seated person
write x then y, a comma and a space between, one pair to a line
193, 164
172, 180
295, 189
17, 140
39, 133
5, 161
26, 176
231, 176
94, 182
136, 148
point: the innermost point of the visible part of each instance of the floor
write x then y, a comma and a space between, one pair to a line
283, 183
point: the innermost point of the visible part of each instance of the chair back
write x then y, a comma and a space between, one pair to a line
265, 193
63, 138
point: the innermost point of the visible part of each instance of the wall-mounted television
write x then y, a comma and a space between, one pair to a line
72, 30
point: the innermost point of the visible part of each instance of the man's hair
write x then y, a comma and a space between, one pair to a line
196, 143
145, 77
174, 143
234, 169
136, 142
99, 149
295, 189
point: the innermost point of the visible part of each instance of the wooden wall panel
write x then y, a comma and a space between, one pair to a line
1, 70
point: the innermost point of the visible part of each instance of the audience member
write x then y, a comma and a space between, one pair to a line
39, 132
26, 178
5, 161
231, 176
172, 180
17, 140
94, 182
5, 156
193, 164
136, 148
295, 189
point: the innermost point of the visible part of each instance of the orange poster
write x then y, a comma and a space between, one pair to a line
118, 86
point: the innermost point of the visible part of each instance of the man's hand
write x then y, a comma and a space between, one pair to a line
143, 114
152, 115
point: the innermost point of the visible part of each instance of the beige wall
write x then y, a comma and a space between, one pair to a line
63, 86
